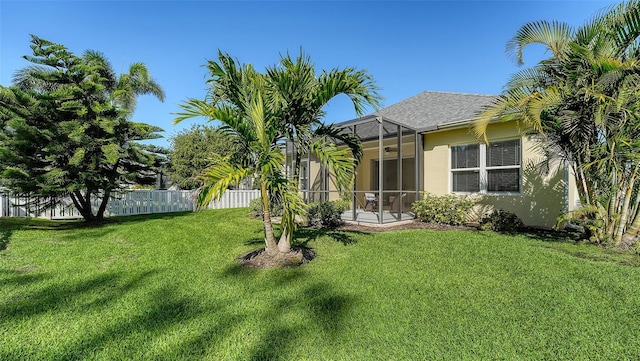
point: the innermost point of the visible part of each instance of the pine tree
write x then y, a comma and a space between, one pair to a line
66, 129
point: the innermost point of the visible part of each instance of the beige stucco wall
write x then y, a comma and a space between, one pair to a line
542, 196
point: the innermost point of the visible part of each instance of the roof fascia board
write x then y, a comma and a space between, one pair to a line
444, 126
370, 118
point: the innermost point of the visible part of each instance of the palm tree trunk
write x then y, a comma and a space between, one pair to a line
583, 190
634, 209
613, 208
624, 212
284, 244
631, 233
269, 237
630, 236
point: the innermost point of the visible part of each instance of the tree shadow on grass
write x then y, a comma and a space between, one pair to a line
539, 234
322, 307
306, 235
324, 310
89, 229
293, 307
46, 224
146, 217
276, 333
550, 235
5, 237
65, 295
165, 309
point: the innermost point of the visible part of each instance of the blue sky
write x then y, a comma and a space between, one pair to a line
408, 47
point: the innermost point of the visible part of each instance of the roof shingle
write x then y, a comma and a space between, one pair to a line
430, 109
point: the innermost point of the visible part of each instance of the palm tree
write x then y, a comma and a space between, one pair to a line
262, 111
300, 96
237, 99
583, 100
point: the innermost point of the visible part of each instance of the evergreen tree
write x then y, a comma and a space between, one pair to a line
65, 128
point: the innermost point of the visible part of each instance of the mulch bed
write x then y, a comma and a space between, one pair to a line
259, 259
394, 227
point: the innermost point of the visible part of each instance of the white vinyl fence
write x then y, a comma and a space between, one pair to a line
125, 203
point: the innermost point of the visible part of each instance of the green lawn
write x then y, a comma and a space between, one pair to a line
166, 287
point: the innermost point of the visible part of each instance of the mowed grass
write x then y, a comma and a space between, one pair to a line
167, 287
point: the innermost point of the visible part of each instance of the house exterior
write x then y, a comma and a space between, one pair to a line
425, 143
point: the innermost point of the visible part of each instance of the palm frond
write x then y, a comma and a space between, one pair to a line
217, 178
340, 136
338, 161
554, 35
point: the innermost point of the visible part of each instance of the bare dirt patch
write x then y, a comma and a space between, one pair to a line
260, 259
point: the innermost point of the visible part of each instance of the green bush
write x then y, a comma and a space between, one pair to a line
256, 207
501, 221
326, 214
447, 209
589, 221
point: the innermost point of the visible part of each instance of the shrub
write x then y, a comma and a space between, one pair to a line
326, 214
501, 221
589, 221
447, 209
256, 207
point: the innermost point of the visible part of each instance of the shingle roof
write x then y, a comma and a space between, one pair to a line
430, 109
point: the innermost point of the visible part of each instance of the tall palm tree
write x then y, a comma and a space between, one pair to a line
237, 99
584, 101
300, 96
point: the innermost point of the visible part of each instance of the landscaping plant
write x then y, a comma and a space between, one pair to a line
501, 221
261, 112
447, 209
326, 214
584, 102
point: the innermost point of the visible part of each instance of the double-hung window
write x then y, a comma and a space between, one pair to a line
465, 168
486, 168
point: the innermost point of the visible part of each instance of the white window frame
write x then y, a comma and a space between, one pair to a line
483, 169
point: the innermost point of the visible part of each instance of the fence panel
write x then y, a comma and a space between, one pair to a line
235, 199
126, 203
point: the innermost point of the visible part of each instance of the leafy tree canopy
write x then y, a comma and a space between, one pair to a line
192, 151
66, 129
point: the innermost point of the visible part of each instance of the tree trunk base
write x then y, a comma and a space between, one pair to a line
627, 242
261, 259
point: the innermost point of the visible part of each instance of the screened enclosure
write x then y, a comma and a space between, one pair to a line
387, 178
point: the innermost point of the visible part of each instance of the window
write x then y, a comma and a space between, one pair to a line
493, 167
465, 167
503, 166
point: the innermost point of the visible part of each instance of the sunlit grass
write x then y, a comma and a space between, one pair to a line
167, 287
